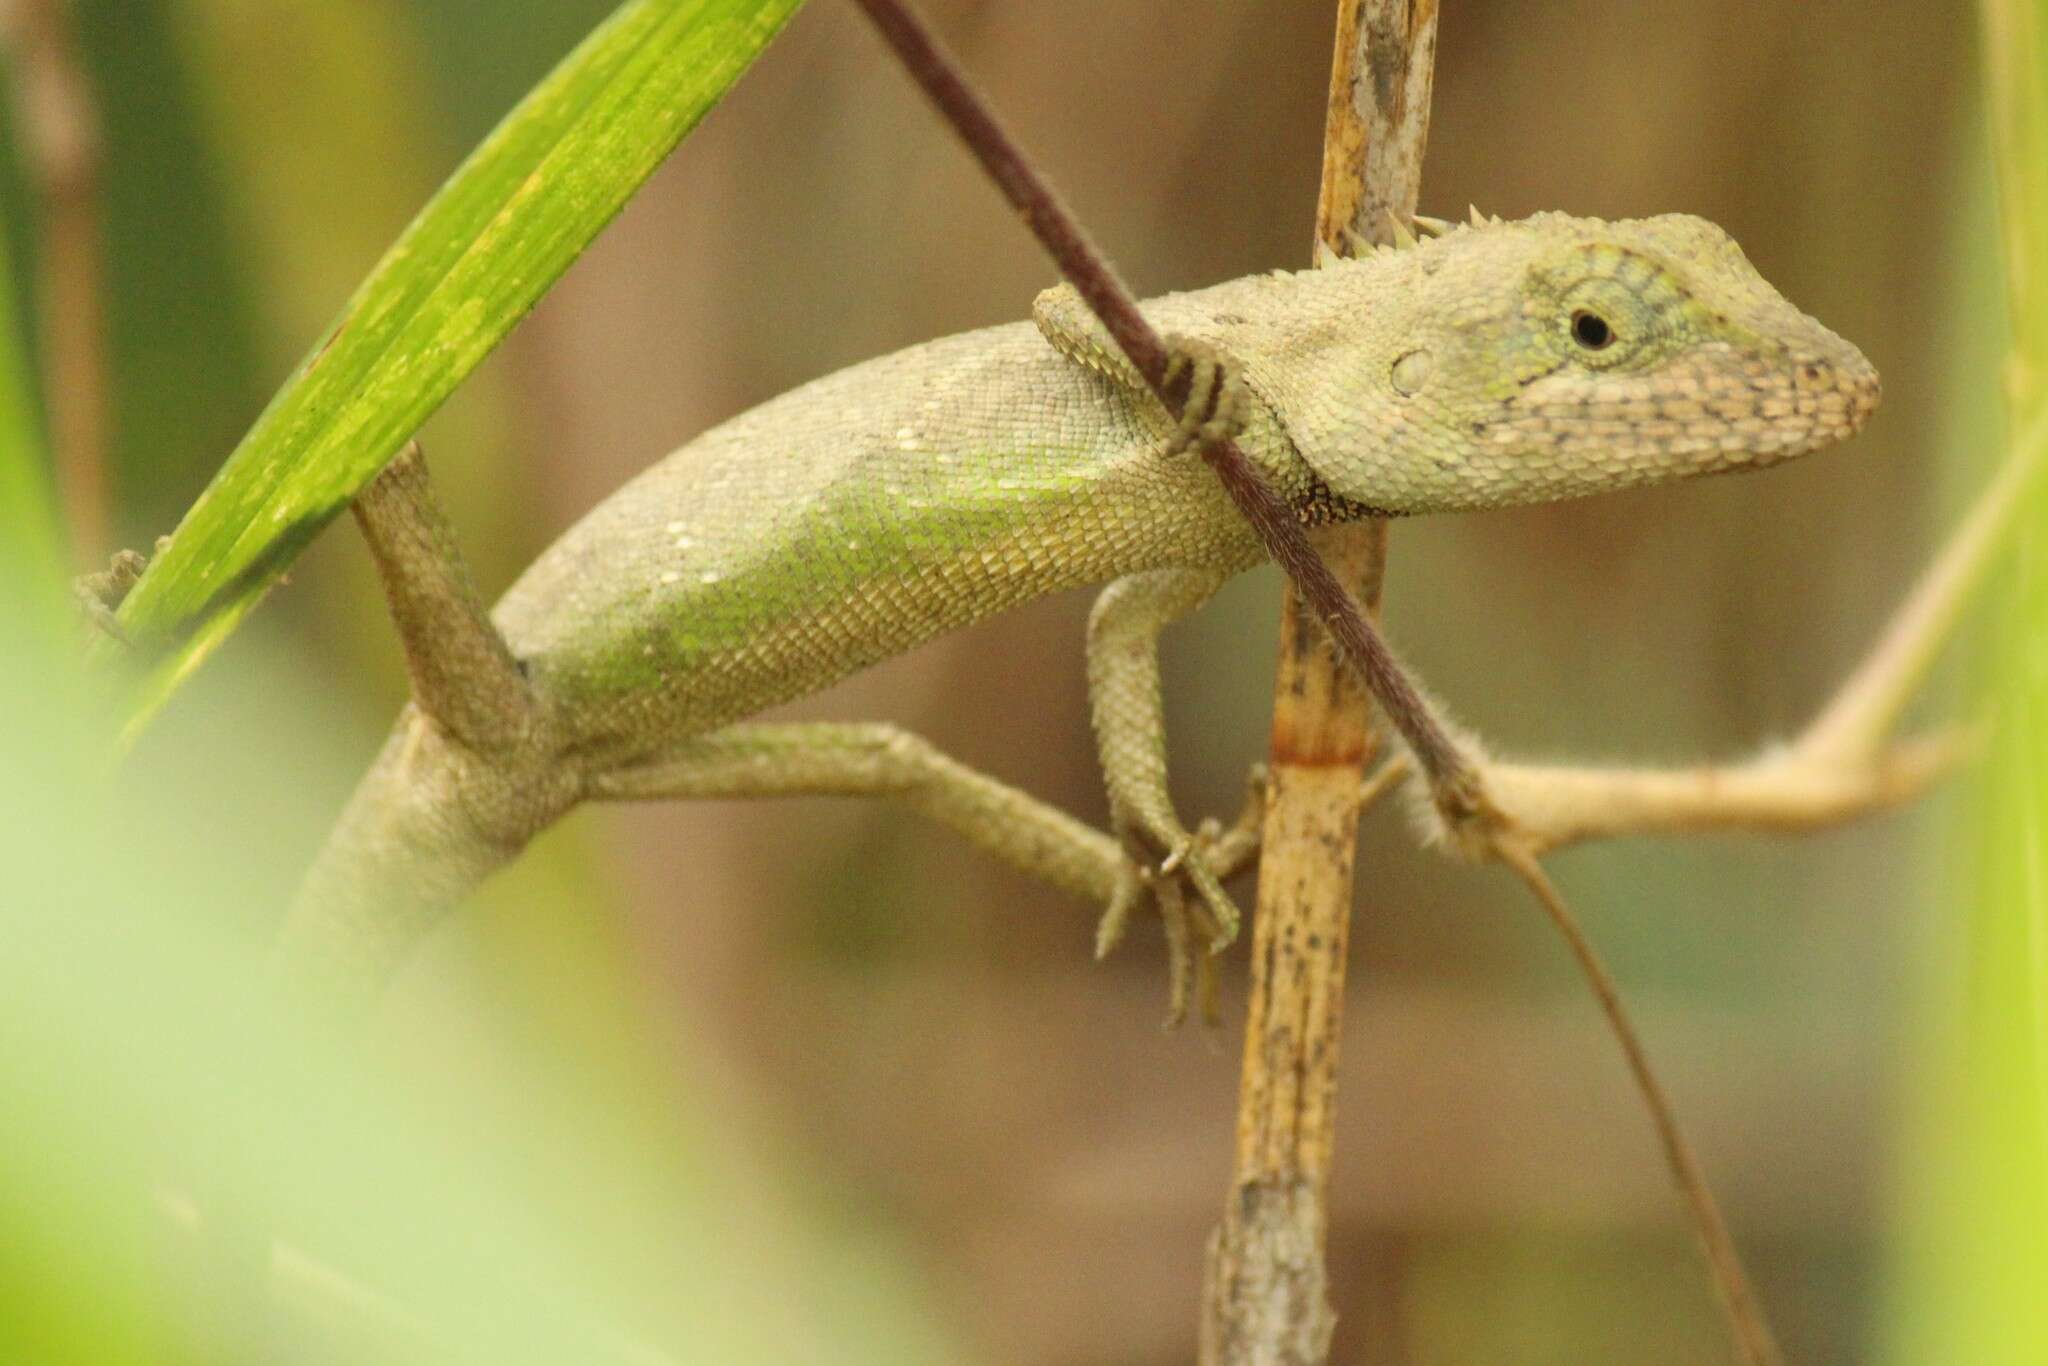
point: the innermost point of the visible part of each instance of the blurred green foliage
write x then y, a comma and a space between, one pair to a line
614, 1212
180, 319
1973, 1278
31, 547
164, 1111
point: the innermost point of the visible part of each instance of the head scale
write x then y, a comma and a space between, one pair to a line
1559, 356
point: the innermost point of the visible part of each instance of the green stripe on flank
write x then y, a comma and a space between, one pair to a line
848, 547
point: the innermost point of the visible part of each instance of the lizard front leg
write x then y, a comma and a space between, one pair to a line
1124, 699
1217, 403
767, 759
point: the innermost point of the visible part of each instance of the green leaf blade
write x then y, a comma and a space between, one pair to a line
475, 261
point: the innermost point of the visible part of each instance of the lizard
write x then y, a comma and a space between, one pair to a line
1491, 364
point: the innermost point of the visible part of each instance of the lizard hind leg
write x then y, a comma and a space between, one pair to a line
468, 776
462, 671
428, 823
870, 759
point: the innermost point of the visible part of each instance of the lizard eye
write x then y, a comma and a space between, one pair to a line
1591, 331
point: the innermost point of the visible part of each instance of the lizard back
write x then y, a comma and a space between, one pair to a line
849, 520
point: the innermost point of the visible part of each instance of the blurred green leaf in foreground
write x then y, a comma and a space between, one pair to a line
31, 547
1974, 1283
618, 1206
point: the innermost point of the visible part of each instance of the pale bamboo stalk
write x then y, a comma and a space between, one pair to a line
1266, 1294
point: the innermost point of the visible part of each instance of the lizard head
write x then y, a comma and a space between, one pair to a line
1559, 356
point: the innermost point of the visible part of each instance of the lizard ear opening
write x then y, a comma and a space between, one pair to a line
1411, 371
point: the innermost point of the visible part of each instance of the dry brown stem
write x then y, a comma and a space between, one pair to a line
1845, 763
1265, 1297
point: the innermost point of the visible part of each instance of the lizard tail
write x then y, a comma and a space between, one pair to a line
428, 823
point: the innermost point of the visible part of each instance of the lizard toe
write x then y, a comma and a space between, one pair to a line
1216, 404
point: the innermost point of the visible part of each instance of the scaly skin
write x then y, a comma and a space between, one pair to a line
859, 515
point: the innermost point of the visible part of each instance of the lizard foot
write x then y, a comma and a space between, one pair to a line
1199, 927
1217, 399
1194, 935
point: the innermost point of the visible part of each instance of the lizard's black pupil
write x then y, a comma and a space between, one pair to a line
1590, 330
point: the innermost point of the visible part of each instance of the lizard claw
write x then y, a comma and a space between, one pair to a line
1188, 860
1132, 883
1190, 974
1180, 953
1216, 405
1198, 928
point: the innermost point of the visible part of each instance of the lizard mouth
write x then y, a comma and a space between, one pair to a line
1718, 409
1819, 400
1855, 379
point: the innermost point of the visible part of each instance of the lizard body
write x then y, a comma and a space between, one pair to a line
851, 519
861, 514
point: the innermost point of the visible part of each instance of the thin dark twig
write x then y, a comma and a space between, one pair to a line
1450, 775
1746, 1319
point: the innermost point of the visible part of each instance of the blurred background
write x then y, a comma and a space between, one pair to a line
903, 1051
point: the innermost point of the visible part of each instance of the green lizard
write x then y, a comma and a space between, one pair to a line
859, 515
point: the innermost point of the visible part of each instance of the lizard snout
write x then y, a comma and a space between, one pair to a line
1865, 390
1836, 391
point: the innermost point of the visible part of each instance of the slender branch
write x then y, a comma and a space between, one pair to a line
61, 139
1451, 776
1752, 1332
1265, 1293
